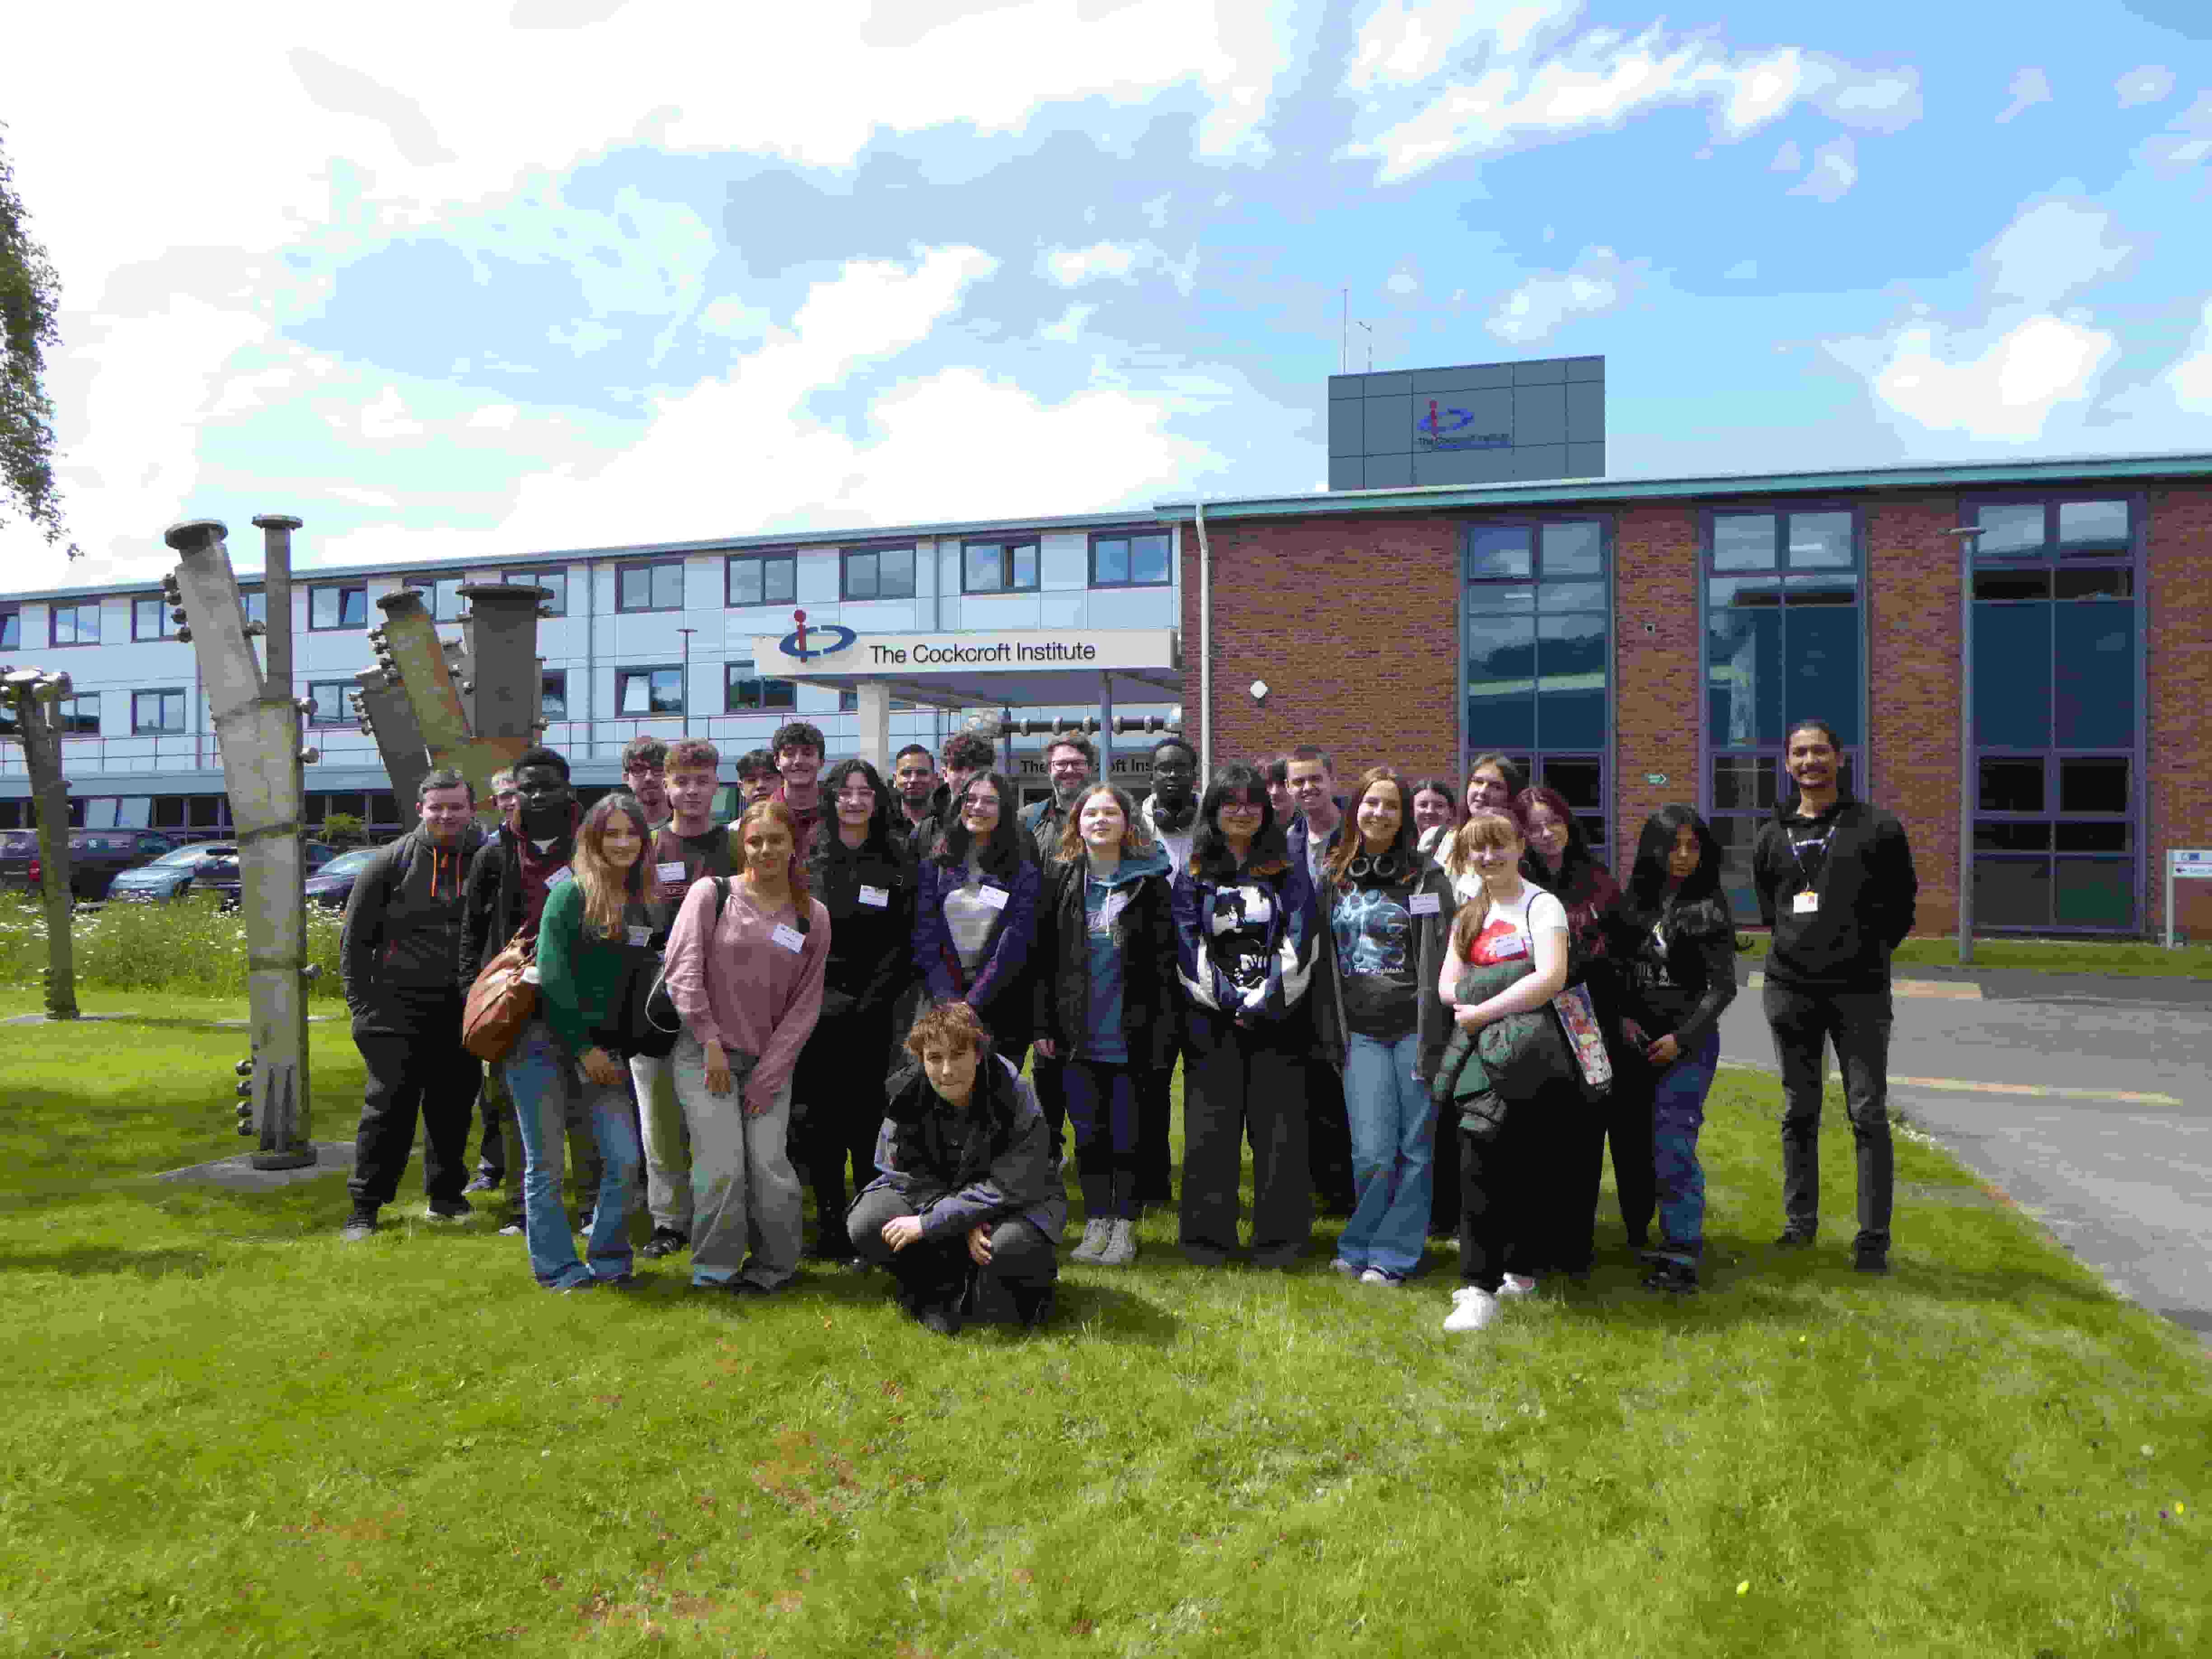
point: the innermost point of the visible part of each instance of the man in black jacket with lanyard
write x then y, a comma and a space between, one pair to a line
399, 958
1836, 886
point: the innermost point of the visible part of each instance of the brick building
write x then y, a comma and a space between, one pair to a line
1638, 642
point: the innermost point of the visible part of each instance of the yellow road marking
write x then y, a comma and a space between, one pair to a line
1969, 1085
1962, 990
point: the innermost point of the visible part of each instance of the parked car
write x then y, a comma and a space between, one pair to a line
333, 885
97, 857
220, 875
170, 876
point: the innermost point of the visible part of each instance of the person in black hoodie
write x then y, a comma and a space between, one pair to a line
1674, 940
1835, 883
857, 868
399, 958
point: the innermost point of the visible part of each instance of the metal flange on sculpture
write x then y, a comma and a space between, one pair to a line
256, 723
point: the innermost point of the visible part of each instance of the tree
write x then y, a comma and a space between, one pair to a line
30, 294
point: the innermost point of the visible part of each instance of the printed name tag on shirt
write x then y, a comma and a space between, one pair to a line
1505, 949
671, 873
1427, 904
996, 898
1806, 903
557, 878
640, 937
790, 938
879, 897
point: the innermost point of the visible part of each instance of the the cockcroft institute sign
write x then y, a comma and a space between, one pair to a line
828, 651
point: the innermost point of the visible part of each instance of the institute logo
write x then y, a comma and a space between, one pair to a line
1453, 429
824, 639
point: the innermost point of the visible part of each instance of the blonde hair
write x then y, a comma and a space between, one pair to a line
608, 891
1486, 827
802, 896
1134, 839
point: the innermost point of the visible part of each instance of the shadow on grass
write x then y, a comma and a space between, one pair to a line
89, 1260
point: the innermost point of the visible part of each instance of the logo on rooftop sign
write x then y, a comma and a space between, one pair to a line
824, 639
1454, 429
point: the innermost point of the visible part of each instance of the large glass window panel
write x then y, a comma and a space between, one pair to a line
11, 631
2033, 583
1501, 551
2093, 668
553, 694
1501, 678
2012, 676
2009, 529
1822, 588
1820, 541
860, 576
2094, 784
1823, 651
2011, 836
556, 581
1571, 595
1737, 836
2092, 836
2094, 581
1571, 682
1744, 783
1744, 541
2012, 783
1573, 549
1743, 592
1025, 566
984, 566
895, 573
1744, 678
2012, 893
2093, 527
2094, 893
1149, 559
1578, 778
650, 692
1500, 597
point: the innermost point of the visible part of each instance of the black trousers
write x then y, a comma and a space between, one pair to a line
1023, 1263
1156, 1130
1624, 1116
1858, 1022
426, 1073
1328, 1138
1528, 1196
1240, 1082
837, 1095
1049, 1079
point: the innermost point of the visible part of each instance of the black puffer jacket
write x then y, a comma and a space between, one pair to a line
1152, 993
969, 1167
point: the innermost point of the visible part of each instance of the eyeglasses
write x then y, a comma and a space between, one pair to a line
861, 797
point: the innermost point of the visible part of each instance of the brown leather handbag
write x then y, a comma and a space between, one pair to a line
500, 1003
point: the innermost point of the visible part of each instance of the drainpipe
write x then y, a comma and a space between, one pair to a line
1205, 650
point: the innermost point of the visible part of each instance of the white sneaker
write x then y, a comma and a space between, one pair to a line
1096, 1233
1517, 1285
1473, 1307
1121, 1248
1381, 1276
1339, 1265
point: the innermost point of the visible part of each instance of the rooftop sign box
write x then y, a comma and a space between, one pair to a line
832, 655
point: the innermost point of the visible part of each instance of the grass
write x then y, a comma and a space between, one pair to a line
2125, 960
155, 947
231, 1434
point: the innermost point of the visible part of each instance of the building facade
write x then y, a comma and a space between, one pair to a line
1471, 424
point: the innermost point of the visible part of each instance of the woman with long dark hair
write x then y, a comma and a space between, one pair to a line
1494, 781
976, 915
1436, 813
1245, 939
1559, 860
1675, 934
858, 869
1382, 1023
745, 965
1106, 1000
590, 936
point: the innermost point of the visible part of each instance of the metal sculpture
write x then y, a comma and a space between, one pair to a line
34, 696
258, 729
472, 704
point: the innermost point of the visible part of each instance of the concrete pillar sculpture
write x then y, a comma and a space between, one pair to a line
474, 705
34, 696
258, 725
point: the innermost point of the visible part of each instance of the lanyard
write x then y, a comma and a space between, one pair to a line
1797, 851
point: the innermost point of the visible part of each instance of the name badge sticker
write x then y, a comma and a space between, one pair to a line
1507, 949
996, 898
671, 873
1427, 904
790, 938
880, 897
640, 937
559, 876
1805, 903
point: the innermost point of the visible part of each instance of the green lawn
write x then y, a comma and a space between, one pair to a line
233, 1435
2126, 960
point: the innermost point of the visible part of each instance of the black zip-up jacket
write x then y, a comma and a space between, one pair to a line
1152, 993
399, 952
1865, 885
1678, 965
493, 899
871, 946
962, 1167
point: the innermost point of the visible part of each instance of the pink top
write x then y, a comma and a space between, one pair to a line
743, 988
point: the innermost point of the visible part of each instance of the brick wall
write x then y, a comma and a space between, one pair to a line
2179, 799
1656, 706
1912, 583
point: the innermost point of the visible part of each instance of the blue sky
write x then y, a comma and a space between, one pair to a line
460, 280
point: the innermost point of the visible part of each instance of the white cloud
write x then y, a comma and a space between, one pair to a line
1402, 282
2052, 248
1788, 159
1119, 262
387, 418
1833, 172
2145, 85
2190, 380
1885, 100
2186, 143
1403, 42
1069, 327
1599, 281
2002, 388
2028, 88
496, 417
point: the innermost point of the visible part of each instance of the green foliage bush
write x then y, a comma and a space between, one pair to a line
189, 947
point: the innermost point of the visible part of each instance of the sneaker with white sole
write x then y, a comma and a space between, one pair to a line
1349, 1269
1473, 1307
1517, 1285
1096, 1233
1121, 1243
1384, 1277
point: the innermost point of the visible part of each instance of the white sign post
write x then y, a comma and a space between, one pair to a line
2184, 864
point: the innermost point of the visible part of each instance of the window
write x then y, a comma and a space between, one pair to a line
744, 693
999, 566
1781, 596
441, 596
763, 579
1127, 561
78, 716
655, 586
2056, 843
556, 580
150, 620
157, 711
73, 624
642, 691
11, 629
1538, 644
882, 572
337, 607
553, 695
331, 699
256, 604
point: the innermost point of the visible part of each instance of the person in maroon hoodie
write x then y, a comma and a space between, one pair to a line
799, 747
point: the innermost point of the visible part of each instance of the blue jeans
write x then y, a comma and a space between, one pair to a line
1678, 1112
1392, 1153
1102, 1103
543, 1077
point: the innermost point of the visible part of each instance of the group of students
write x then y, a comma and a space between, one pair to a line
859, 970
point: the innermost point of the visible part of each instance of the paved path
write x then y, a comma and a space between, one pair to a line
2085, 1101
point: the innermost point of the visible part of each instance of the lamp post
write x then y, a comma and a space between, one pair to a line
686, 711
1967, 535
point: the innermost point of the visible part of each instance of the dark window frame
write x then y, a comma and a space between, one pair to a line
555, 577
165, 625
1130, 537
651, 569
847, 589
731, 563
340, 589
1008, 547
770, 694
345, 716
545, 677
437, 588
75, 608
72, 724
11, 638
629, 672
183, 712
